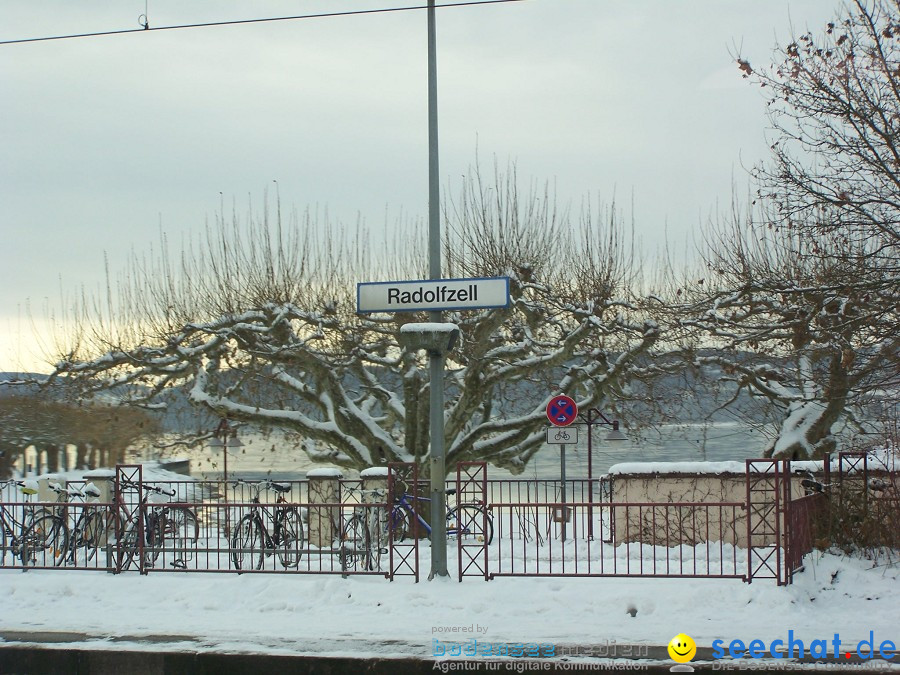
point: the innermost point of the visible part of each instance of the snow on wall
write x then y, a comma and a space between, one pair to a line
374, 472
325, 472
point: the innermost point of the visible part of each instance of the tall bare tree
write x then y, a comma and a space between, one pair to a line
258, 325
802, 332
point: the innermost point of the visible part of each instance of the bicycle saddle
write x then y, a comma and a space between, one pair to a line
281, 488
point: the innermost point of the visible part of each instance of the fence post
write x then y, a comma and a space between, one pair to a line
374, 484
374, 478
104, 480
324, 488
45, 494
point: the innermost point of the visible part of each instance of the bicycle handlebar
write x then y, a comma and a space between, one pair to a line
259, 485
148, 488
29, 487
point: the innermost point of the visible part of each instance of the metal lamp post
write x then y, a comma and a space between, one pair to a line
590, 417
224, 437
436, 359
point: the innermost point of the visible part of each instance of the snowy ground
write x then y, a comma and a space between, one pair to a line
366, 616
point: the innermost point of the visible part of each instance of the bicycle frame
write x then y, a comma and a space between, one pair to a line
144, 519
269, 520
13, 528
403, 502
23, 533
464, 520
8, 520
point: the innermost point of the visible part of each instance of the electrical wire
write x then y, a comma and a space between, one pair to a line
145, 28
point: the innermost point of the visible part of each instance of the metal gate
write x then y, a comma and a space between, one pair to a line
768, 489
471, 489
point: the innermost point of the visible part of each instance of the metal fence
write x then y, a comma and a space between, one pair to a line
498, 528
185, 526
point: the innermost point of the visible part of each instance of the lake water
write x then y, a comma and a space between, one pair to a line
269, 457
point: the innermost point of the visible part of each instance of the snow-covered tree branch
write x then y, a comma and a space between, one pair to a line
257, 324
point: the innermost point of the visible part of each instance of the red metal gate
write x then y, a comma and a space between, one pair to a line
768, 485
471, 489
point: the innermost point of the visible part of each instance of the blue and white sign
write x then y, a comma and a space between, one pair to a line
434, 295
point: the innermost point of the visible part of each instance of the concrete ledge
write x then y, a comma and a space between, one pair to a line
36, 660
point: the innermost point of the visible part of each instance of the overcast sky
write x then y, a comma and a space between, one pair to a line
103, 140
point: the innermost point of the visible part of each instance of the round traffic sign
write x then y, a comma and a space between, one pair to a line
562, 411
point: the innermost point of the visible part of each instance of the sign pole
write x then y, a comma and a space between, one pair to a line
562, 409
436, 360
562, 492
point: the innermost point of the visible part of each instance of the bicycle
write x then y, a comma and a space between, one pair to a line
158, 521
362, 543
94, 528
43, 531
468, 522
252, 539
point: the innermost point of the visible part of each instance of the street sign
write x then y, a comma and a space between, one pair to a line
435, 295
562, 411
562, 435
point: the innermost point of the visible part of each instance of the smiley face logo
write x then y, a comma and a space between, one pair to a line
682, 648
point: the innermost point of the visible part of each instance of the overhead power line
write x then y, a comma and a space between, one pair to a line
324, 15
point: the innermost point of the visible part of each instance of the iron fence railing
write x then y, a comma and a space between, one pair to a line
525, 527
640, 539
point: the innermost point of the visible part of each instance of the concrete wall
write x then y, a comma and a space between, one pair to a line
678, 508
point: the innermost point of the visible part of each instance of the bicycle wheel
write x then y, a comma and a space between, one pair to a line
398, 524
131, 547
81, 542
45, 541
378, 533
3, 544
355, 553
96, 527
155, 538
248, 544
470, 523
288, 537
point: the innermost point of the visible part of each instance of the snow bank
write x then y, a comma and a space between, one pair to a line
368, 616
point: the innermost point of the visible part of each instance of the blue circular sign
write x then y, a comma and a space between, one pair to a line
562, 411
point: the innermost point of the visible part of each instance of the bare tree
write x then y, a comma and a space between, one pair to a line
834, 107
802, 332
101, 434
258, 325
803, 289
